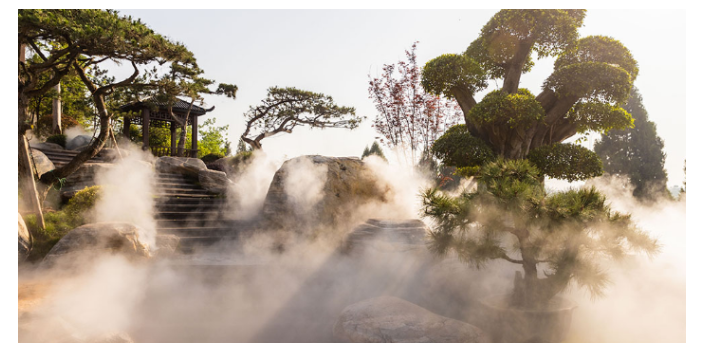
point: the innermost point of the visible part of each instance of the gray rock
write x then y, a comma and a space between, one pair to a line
46, 146
214, 181
387, 236
345, 183
97, 238
78, 142
178, 165
82, 178
111, 154
23, 239
166, 245
391, 319
42, 163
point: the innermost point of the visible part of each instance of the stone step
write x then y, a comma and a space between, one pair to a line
176, 183
198, 231
182, 195
180, 190
186, 214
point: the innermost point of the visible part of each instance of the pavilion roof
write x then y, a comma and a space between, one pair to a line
180, 106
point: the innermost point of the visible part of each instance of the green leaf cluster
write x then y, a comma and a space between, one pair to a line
515, 110
447, 72
509, 213
592, 80
457, 147
566, 161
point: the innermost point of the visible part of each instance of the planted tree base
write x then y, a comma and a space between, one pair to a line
550, 323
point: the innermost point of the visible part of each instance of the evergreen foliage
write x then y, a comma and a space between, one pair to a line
636, 152
569, 232
375, 149
285, 108
512, 139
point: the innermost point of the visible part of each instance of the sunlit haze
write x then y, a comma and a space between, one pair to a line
333, 52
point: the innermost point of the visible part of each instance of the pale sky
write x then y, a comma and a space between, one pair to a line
333, 51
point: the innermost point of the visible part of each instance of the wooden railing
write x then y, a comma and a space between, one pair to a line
166, 151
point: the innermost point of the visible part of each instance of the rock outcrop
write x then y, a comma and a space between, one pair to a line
214, 181
82, 178
180, 165
23, 239
391, 319
79, 141
387, 236
320, 190
97, 238
41, 163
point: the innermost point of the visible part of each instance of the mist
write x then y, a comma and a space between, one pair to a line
253, 290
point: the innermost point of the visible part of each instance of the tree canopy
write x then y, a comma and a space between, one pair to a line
285, 108
511, 139
591, 79
636, 152
76, 42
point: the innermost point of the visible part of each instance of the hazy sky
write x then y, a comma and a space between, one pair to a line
333, 51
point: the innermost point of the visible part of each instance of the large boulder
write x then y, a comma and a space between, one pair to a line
387, 236
179, 165
41, 162
321, 190
97, 238
391, 319
24, 241
79, 141
47, 146
82, 178
214, 181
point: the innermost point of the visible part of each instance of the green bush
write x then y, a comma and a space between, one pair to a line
212, 157
58, 223
457, 147
566, 161
59, 139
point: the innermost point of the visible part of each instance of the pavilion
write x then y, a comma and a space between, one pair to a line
151, 112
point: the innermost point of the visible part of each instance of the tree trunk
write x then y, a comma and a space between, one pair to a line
465, 100
24, 169
255, 144
515, 69
56, 111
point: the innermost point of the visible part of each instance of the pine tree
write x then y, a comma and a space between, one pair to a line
512, 139
636, 152
375, 149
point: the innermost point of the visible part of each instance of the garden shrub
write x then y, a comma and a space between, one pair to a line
59, 139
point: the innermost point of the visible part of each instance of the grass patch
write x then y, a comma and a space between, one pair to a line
77, 212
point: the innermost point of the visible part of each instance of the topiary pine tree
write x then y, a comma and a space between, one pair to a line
512, 139
592, 77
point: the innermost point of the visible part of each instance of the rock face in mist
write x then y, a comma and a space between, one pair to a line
178, 165
391, 319
41, 162
319, 189
387, 236
110, 237
23, 239
79, 141
82, 178
213, 181
111, 154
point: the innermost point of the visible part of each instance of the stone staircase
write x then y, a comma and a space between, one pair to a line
63, 157
186, 210
183, 208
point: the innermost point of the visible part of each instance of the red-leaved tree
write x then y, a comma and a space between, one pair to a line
409, 117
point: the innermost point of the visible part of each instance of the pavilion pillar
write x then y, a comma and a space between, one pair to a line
126, 123
145, 129
194, 136
174, 152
